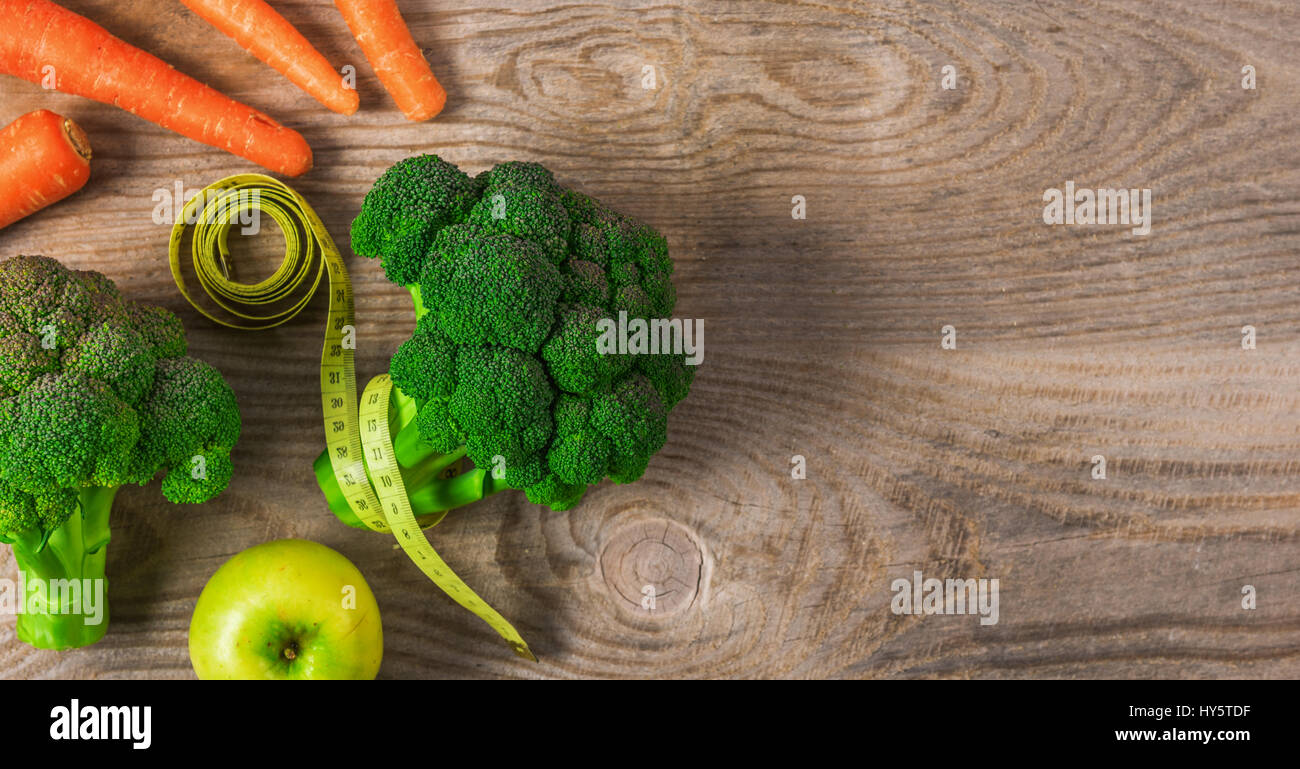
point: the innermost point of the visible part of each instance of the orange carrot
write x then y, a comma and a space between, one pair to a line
41, 41
263, 32
44, 158
387, 43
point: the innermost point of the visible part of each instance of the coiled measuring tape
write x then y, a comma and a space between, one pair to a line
310, 255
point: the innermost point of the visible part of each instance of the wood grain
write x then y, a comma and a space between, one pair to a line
924, 208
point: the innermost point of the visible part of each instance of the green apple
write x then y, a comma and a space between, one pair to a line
289, 609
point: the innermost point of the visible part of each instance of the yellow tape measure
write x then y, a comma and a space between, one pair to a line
382, 462
310, 255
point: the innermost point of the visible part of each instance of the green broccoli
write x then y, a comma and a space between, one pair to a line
511, 275
95, 393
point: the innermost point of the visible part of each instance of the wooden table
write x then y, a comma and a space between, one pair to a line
924, 209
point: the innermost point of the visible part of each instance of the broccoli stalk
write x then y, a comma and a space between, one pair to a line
511, 276
75, 552
96, 392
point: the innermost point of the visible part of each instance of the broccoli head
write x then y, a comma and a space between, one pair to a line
515, 280
96, 392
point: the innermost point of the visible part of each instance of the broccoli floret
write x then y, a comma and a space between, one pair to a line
22, 359
498, 389
118, 356
634, 301
580, 454
485, 398
523, 200
194, 423
424, 367
94, 394
19, 519
518, 451
516, 279
572, 354
635, 421
491, 288
32, 289
555, 493
404, 211
68, 430
670, 375
585, 283
161, 331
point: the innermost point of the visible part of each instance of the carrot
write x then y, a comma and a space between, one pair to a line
44, 158
387, 43
263, 32
90, 62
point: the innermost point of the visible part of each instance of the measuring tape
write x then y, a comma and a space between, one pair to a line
387, 478
310, 255
278, 299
